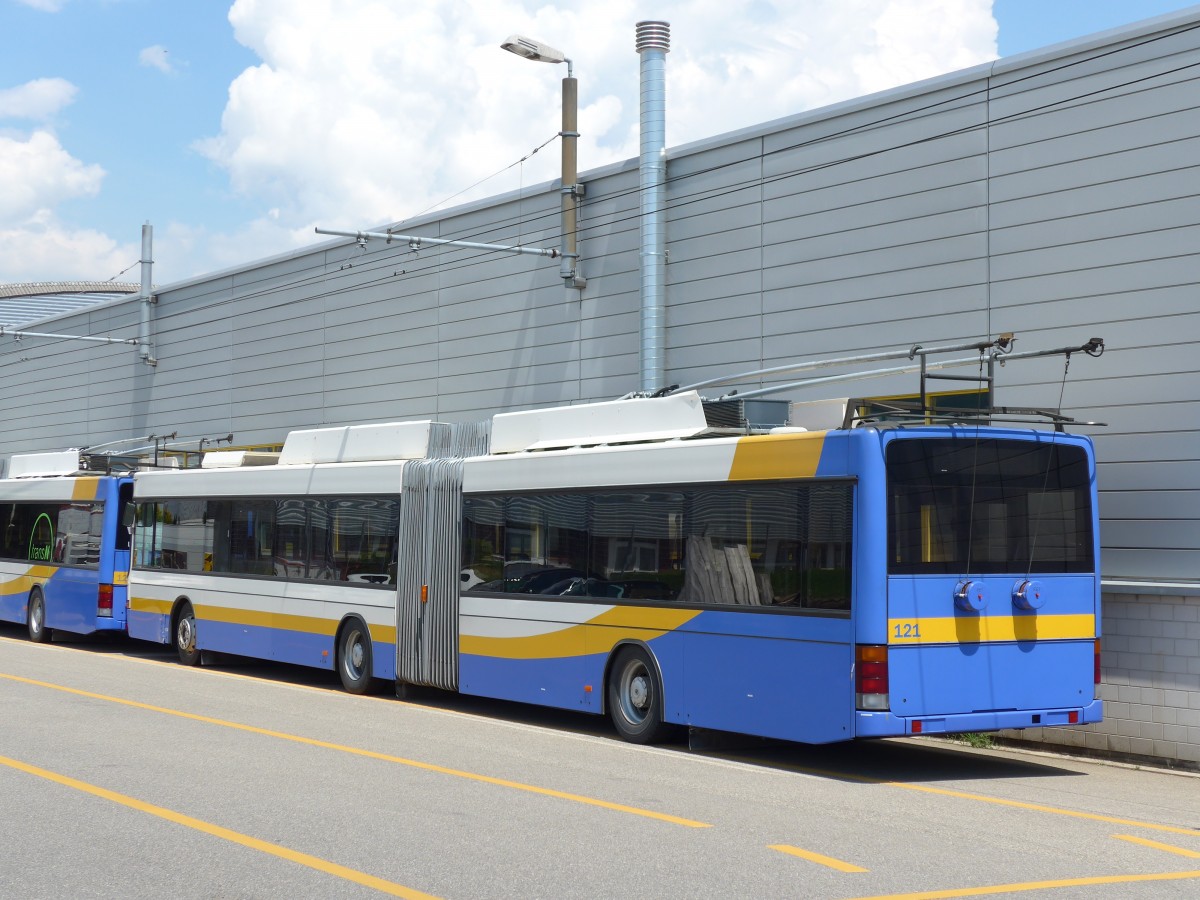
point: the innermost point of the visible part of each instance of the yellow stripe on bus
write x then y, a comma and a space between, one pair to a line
85, 488
643, 623
258, 619
21, 584
774, 456
982, 629
146, 605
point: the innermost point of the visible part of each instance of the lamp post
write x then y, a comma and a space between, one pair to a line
571, 192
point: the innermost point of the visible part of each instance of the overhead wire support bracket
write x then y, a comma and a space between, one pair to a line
415, 242
6, 332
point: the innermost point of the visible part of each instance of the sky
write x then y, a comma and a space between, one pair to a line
236, 128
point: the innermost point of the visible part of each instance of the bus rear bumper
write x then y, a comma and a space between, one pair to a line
884, 724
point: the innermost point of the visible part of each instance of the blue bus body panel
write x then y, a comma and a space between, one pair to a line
991, 677
149, 626
302, 648
773, 675
71, 595
13, 605
560, 682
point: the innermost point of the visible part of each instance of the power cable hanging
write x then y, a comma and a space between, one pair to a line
136, 262
482, 180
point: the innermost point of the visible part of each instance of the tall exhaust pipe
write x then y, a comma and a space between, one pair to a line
145, 345
653, 43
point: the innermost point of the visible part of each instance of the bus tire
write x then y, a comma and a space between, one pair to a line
354, 657
183, 635
635, 698
35, 620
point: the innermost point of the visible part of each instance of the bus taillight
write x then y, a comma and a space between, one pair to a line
104, 600
1096, 676
871, 677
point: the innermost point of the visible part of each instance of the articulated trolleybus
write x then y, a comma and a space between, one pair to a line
64, 560
632, 558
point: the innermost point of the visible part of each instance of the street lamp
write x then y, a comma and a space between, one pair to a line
571, 192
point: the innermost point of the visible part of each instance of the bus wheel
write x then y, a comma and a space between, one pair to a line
38, 632
354, 657
185, 636
635, 701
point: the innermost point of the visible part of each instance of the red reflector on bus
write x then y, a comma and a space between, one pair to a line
104, 600
1073, 717
916, 727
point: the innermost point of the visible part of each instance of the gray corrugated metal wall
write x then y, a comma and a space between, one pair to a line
1053, 195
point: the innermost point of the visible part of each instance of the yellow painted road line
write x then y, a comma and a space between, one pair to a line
370, 754
303, 859
1037, 807
993, 889
983, 798
1192, 854
816, 858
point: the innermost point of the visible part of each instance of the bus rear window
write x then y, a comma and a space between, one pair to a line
988, 506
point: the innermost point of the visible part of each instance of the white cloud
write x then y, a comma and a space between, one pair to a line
155, 56
43, 249
366, 112
38, 99
38, 174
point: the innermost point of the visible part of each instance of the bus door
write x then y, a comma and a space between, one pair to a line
427, 582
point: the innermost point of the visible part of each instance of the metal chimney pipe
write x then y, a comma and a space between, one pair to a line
653, 43
145, 347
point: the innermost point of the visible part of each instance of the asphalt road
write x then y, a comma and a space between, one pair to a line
126, 775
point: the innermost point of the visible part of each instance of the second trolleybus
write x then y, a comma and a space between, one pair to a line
64, 545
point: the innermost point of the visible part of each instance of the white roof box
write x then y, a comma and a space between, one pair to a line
609, 422
41, 465
819, 415
357, 443
232, 459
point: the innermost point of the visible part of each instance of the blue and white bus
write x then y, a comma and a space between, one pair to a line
630, 558
64, 549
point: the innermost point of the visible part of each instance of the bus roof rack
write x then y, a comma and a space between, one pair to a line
863, 411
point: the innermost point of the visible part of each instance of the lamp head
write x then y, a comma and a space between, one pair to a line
531, 49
